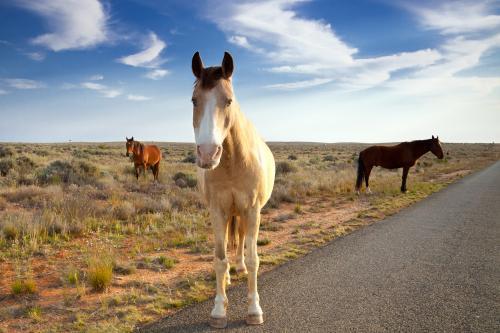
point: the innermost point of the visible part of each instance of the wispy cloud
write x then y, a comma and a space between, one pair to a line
73, 24
36, 56
157, 74
24, 84
96, 77
138, 98
3, 92
299, 84
456, 17
102, 89
149, 57
295, 45
308, 47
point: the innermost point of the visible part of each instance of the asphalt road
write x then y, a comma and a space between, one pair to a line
433, 267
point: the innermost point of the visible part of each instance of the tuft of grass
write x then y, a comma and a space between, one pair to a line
166, 262
263, 241
34, 312
100, 273
23, 287
72, 276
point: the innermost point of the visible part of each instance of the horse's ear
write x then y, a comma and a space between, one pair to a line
437, 137
126, 138
227, 65
433, 136
132, 139
197, 65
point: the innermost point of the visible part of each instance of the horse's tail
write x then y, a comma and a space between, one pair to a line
361, 173
233, 232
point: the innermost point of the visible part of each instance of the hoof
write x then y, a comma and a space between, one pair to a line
255, 319
218, 322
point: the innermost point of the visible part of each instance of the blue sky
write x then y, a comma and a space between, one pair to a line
318, 70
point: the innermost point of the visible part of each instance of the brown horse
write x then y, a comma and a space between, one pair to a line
403, 155
144, 156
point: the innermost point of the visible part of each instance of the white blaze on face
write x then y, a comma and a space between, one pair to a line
208, 132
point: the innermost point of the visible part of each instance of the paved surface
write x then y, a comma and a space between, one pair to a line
434, 267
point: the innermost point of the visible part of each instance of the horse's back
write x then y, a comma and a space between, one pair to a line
390, 157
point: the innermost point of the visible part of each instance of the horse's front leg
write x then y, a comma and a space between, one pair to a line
252, 222
405, 175
221, 266
136, 167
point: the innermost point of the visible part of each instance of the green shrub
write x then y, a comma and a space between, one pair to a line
6, 151
190, 158
328, 158
25, 164
292, 157
184, 180
76, 172
284, 168
5, 166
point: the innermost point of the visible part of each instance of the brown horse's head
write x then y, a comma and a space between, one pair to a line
436, 147
213, 103
130, 146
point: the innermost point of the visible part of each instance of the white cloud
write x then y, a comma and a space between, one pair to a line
74, 24
96, 77
157, 74
458, 16
24, 83
275, 27
299, 84
3, 92
307, 47
37, 56
138, 98
298, 46
102, 89
149, 57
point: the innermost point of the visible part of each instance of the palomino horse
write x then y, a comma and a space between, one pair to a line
403, 155
144, 156
235, 175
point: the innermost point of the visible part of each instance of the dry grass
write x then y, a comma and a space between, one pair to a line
149, 243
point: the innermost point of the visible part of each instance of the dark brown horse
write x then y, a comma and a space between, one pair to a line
403, 155
144, 156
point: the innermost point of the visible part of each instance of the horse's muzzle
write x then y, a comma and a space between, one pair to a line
127, 154
208, 155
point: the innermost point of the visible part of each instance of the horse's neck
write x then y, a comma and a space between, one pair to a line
239, 142
420, 148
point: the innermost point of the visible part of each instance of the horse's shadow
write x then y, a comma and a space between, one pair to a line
200, 325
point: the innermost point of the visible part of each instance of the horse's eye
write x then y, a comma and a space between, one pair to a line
228, 102
194, 101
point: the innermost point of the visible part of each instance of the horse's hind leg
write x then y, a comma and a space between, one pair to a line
405, 175
368, 170
240, 256
156, 170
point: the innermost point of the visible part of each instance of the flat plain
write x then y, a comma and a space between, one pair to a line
84, 246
